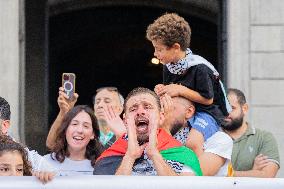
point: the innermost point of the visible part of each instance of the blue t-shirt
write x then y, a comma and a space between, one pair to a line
204, 123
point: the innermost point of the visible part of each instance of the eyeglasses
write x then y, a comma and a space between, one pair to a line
107, 88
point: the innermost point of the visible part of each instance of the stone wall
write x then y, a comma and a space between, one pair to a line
256, 61
9, 60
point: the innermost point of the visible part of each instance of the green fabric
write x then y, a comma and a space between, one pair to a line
183, 155
252, 143
105, 138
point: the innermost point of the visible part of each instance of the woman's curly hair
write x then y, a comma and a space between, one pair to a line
7, 144
169, 29
93, 149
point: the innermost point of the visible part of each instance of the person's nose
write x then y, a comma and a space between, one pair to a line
13, 172
80, 128
141, 110
100, 105
156, 54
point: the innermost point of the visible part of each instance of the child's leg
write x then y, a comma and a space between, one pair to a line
203, 126
195, 141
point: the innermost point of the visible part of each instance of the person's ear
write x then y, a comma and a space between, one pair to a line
189, 112
176, 46
93, 136
120, 109
124, 118
245, 108
162, 118
5, 126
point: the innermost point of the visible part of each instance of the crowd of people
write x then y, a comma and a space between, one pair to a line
186, 126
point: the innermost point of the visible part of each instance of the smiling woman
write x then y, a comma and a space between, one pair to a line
77, 146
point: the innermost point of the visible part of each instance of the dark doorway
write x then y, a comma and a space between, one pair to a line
107, 47
103, 42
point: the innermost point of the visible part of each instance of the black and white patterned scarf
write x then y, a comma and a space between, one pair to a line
189, 60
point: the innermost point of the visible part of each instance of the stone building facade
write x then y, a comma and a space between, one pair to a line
253, 60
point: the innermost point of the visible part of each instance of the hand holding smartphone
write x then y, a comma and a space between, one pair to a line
68, 83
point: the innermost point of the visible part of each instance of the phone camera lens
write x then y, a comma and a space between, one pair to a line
66, 77
68, 86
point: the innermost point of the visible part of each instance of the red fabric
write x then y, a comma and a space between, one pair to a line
119, 148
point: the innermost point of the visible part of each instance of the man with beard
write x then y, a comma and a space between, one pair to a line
146, 149
255, 151
215, 161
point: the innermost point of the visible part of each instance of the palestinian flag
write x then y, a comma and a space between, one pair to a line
170, 149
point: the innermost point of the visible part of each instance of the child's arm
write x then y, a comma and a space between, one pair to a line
64, 105
158, 88
180, 90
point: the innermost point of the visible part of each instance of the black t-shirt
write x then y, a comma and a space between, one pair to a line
202, 80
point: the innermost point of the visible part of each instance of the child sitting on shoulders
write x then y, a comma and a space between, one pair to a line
189, 76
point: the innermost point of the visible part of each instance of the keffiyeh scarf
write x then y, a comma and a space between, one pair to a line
190, 60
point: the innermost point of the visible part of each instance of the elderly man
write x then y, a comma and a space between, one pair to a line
255, 151
146, 149
108, 105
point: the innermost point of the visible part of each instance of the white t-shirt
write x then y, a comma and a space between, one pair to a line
220, 144
70, 167
38, 162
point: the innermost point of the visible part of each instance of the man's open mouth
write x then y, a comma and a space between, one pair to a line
142, 124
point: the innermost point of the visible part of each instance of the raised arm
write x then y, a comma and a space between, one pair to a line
64, 105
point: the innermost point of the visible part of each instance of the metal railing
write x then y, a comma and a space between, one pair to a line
143, 182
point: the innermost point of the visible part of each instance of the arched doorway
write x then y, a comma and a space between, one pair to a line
103, 42
106, 46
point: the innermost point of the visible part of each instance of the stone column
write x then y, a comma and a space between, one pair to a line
11, 63
256, 61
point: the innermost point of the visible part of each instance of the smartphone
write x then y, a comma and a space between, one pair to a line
68, 83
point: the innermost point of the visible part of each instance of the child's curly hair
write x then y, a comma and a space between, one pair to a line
169, 29
7, 144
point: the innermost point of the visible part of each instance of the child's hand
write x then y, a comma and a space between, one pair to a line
172, 90
158, 88
44, 177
